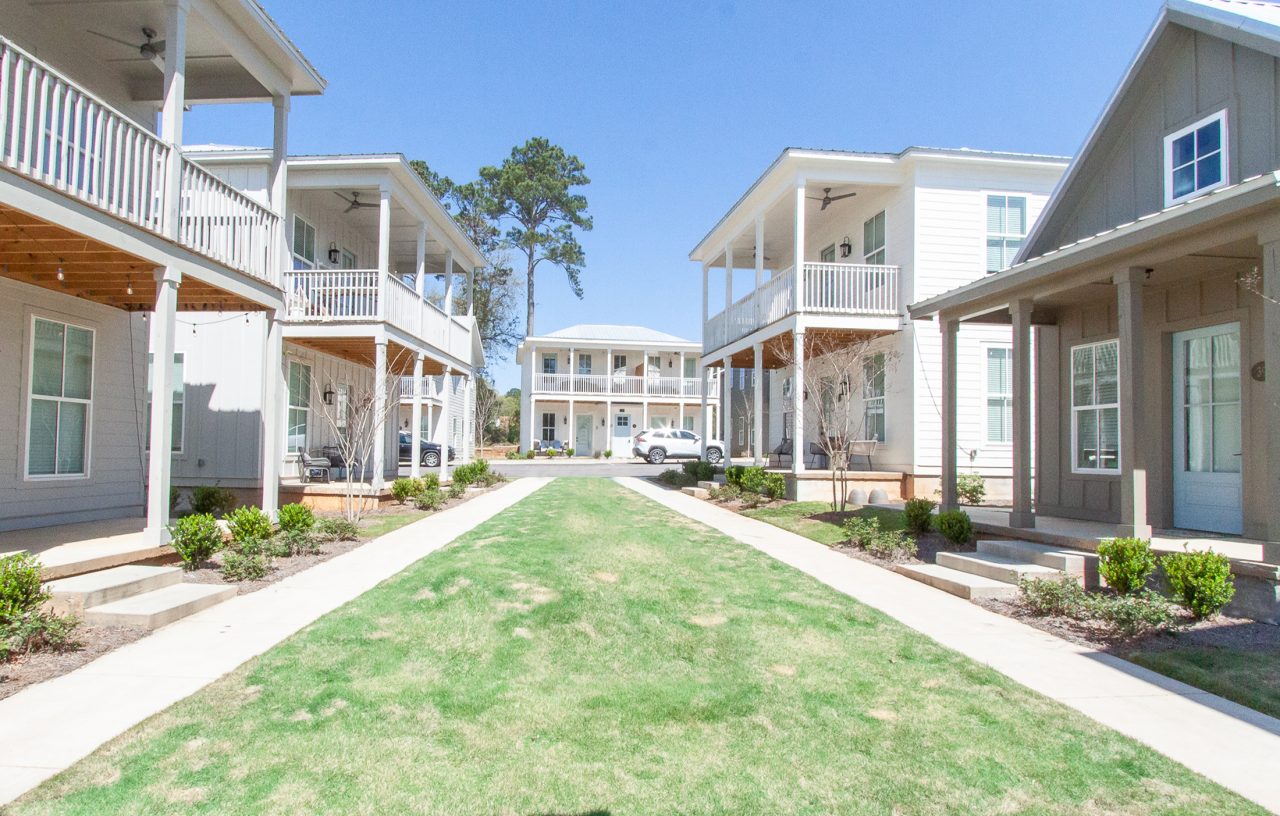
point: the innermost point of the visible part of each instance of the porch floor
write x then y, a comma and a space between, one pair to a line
72, 549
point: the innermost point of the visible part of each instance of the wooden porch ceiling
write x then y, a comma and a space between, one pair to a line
362, 351
33, 250
777, 349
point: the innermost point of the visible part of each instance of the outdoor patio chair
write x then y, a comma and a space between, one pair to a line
863, 447
784, 449
816, 452
313, 468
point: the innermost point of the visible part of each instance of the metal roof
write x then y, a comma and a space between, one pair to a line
621, 334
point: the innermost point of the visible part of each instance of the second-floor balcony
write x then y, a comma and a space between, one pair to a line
586, 385
824, 288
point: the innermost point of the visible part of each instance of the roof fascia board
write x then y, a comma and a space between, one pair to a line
1237, 28
243, 46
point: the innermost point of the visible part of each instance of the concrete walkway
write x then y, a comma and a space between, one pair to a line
1234, 746
46, 728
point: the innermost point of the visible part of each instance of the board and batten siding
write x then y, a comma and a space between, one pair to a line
114, 486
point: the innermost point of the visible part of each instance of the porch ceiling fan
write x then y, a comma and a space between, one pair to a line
151, 49
827, 198
354, 203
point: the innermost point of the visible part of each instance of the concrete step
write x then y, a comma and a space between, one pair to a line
697, 492
151, 610
80, 592
963, 584
1071, 562
995, 567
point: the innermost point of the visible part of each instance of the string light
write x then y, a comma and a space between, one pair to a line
60, 275
129, 287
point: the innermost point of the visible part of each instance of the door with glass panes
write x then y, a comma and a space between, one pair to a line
1207, 448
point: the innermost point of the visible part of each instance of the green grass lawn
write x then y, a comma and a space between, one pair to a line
589, 652
380, 525
795, 517
1251, 678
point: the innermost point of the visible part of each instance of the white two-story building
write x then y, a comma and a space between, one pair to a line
834, 245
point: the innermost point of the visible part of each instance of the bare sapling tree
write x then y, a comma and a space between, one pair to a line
841, 374
486, 404
358, 414
742, 401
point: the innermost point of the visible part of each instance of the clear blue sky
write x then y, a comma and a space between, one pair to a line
677, 107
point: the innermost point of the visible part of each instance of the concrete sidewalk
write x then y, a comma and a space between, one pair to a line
46, 728
1234, 746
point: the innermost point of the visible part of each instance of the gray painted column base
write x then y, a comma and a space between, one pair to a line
1022, 518
1130, 531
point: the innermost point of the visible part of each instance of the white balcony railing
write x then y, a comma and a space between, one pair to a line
618, 385
826, 288
62, 136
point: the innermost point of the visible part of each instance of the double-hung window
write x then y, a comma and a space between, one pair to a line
1095, 408
60, 400
690, 368
1006, 230
873, 240
1195, 158
304, 244
299, 405
549, 363
999, 394
584, 363
179, 400
688, 423
548, 427
873, 398
348, 259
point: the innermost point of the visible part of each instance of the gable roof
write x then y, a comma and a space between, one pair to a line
1251, 23
623, 334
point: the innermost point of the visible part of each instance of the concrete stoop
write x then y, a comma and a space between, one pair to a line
134, 595
995, 569
697, 492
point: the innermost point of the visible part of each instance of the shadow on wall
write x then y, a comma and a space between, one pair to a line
217, 446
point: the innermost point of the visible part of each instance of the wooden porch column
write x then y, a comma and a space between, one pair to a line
571, 433
703, 426
757, 406
160, 462
471, 291
380, 412
950, 332
759, 316
1270, 409
726, 408
384, 248
1133, 405
1022, 514
420, 262
273, 413
797, 399
443, 431
797, 279
415, 422
728, 280
279, 182
171, 113
448, 282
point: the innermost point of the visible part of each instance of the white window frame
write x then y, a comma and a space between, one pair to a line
88, 403
584, 357
543, 426
1223, 153
302, 261
989, 395
1005, 236
1096, 406
180, 398
869, 252
347, 260
554, 359
289, 406
869, 398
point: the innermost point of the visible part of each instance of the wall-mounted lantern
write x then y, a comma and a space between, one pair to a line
328, 395
846, 248
333, 252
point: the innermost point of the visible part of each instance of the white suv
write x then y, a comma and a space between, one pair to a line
658, 445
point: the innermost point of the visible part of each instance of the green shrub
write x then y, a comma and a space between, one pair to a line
733, 475
34, 631
430, 499
700, 471
336, 529
20, 590
244, 566
457, 490
196, 538
1200, 581
569, 451
955, 526
595, 455
758, 480
725, 493
175, 496
1126, 563
215, 501
471, 473
552, 453
296, 542
405, 488
919, 514
1130, 615
676, 478
891, 545
1062, 596
528, 454
249, 522
970, 488
296, 518
608, 454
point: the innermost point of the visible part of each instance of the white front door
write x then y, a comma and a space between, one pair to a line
582, 440
1206, 429
621, 445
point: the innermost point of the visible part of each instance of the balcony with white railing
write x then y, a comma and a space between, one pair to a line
58, 134
824, 289
618, 385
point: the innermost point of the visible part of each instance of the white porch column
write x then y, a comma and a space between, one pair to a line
431, 432
608, 426
1022, 514
797, 400
420, 262
570, 436
384, 249
726, 408
703, 426
950, 332
273, 413
571, 372
757, 406
728, 279
706, 305
448, 282
1270, 409
759, 316
380, 412
415, 421
1133, 405
446, 418
644, 415
471, 291
797, 279
163, 321
175, 101
279, 180
533, 423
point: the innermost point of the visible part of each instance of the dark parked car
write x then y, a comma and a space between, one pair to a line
430, 451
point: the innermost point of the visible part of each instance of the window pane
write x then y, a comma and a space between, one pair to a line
1184, 181
46, 359
44, 430
995, 214
1105, 372
997, 430
78, 374
297, 429
1199, 457
1226, 438
1109, 438
995, 254
1226, 368
1082, 376
72, 418
1199, 370
1011, 247
998, 373
1184, 150
1087, 439
868, 237
1208, 138
1016, 216
299, 236
177, 427
1209, 171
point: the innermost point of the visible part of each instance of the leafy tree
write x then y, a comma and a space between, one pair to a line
533, 191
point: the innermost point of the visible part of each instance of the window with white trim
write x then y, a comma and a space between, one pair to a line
348, 260
1095, 408
548, 427
619, 363
873, 239
304, 244
299, 405
688, 423
343, 410
59, 399
179, 401
690, 368
584, 363
873, 398
999, 394
1006, 230
1195, 158
828, 254
549, 363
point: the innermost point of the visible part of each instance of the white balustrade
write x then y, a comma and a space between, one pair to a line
331, 294
222, 223
625, 385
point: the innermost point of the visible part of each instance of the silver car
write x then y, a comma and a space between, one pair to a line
660, 444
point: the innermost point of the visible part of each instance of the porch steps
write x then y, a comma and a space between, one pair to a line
154, 609
696, 492
1069, 561
995, 569
963, 584
80, 592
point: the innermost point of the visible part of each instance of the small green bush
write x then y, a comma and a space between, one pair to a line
457, 490
1130, 615
296, 542
248, 522
196, 538
529, 454
595, 455
608, 454
955, 526
244, 566
700, 471
970, 488
758, 480
725, 493
1061, 597
1126, 563
891, 545
676, 478
471, 473
336, 529
733, 475
552, 453
431, 499
296, 518
406, 488
215, 501
1200, 581
20, 589
35, 631
569, 451
919, 514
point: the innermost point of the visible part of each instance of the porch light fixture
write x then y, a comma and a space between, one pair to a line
60, 275
328, 395
333, 252
846, 248
603, 422
128, 289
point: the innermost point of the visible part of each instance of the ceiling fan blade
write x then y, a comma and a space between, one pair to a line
130, 45
837, 198
826, 202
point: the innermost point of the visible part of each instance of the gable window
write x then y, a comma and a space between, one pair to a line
828, 254
873, 240
999, 394
873, 398
304, 244
179, 399
1006, 230
60, 399
1195, 158
548, 364
1095, 408
299, 406
549, 427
